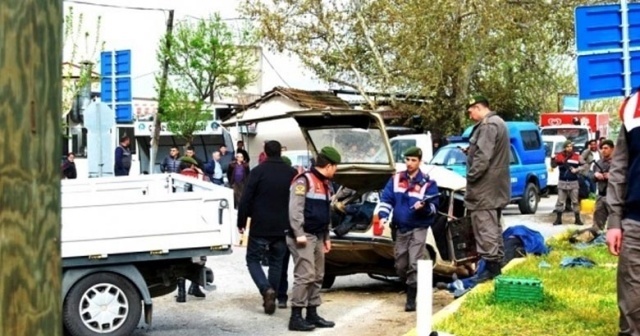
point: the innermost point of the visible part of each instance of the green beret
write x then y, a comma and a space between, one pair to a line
414, 152
607, 142
331, 154
476, 99
567, 143
286, 160
188, 159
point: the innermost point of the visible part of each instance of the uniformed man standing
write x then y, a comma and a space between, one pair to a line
412, 196
623, 197
308, 241
571, 165
488, 183
601, 175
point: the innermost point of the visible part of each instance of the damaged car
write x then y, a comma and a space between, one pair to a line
360, 244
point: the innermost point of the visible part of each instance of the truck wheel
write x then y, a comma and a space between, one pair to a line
529, 202
328, 281
102, 304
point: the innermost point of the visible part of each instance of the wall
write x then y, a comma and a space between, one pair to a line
286, 131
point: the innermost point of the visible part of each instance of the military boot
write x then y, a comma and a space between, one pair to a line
316, 320
578, 219
297, 323
491, 270
195, 290
182, 295
411, 299
558, 218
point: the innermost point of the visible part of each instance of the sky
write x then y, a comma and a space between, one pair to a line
140, 31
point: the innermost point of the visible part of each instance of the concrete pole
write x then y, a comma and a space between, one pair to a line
424, 299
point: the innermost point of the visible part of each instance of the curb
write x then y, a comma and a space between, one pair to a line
453, 307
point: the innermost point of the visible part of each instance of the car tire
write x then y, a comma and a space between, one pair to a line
123, 305
328, 280
528, 204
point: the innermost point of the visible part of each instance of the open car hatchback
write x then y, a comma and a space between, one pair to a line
359, 242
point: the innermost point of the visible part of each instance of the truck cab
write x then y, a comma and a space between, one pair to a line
400, 143
552, 144
528, 170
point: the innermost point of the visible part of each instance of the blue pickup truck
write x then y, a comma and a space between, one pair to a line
528, 169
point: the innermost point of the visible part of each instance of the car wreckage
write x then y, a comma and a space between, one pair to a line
360, 244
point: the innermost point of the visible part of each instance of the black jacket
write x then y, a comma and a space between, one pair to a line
266, 199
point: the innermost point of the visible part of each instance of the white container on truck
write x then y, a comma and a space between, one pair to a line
128, 239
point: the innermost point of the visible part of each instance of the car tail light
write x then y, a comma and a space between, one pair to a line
377, 228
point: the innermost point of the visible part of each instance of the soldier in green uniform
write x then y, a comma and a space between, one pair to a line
308, 239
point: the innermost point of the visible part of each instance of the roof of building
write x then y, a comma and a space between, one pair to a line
306, 99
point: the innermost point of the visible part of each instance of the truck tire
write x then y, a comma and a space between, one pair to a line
102, 304
328, 281
528, 204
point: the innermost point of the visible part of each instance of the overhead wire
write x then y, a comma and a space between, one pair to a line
116, 6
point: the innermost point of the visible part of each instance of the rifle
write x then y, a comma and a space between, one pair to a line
426, 199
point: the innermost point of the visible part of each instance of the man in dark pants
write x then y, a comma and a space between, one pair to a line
601, 175
623, 197
308, 241
265, 199
405, 194
488, 183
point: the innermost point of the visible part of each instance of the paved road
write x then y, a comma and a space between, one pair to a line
358, 304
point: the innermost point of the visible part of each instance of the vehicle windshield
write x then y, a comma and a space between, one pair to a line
356, 145
449, 156
552, 151
578, 136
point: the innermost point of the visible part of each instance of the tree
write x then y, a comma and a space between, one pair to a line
207, 59
183, 114
73, 33
30, 102
441, 51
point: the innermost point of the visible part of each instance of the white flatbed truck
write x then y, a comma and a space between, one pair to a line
126, 240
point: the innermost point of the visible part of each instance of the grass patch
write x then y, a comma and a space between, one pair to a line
577, 301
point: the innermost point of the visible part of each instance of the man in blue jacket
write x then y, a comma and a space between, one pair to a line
410, 195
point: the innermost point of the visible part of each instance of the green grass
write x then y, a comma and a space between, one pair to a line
577, 301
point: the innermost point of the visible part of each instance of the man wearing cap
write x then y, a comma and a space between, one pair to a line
412, 197
571, 165
488, 183
601, 175
308, 239
623, 198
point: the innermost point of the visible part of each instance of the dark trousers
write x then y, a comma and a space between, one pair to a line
284, 278
256, 248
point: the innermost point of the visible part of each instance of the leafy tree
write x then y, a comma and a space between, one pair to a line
441, 51
74, 36
183, 114
207, 59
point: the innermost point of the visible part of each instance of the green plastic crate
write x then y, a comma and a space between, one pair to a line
508, 289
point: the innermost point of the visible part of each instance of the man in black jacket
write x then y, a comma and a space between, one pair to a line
266, 199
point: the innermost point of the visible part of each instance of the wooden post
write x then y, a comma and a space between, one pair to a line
30, 158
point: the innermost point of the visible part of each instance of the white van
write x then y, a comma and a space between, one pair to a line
553, 144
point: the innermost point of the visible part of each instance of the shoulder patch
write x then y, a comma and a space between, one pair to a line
299, 189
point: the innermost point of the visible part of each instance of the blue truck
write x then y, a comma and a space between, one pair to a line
528, 169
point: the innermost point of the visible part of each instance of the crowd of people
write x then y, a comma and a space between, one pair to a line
300, 227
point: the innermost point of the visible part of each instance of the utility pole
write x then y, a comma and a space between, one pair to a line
30, 129
157, 119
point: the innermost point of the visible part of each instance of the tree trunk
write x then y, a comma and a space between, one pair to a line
30, 157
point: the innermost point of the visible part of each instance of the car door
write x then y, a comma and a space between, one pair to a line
517, 174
